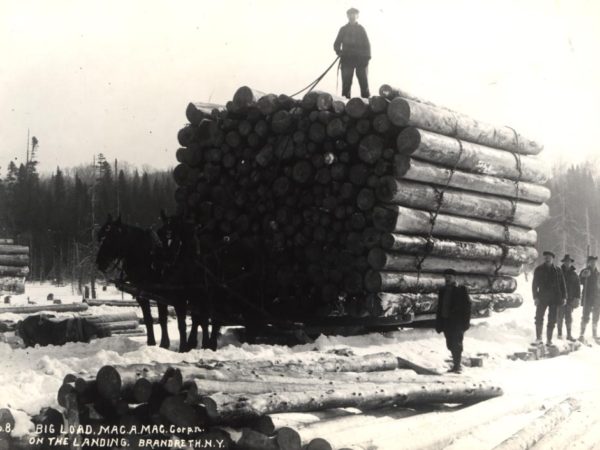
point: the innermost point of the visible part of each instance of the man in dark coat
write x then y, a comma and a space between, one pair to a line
549, 292
590, 277
565, 313
453, 316
353, 47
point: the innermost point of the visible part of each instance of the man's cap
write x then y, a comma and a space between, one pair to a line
352, 11
449, 272
592, 258
549, 253
567, 257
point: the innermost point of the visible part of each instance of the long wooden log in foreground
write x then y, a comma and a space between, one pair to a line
128, 316
534, 431
388, 304
112, 302
399, 219
231, 409
14, 271
460, 203
403, 112
68, 307
476, 158
445, 248
409, 168
376, 281
6, 241
380, 260
196, 112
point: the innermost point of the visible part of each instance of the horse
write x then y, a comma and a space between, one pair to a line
135, 249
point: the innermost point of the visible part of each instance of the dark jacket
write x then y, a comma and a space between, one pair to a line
460, 309
549, 285
590, 286
572, 282
352, 44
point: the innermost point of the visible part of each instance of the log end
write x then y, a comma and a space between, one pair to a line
108, 382
399, 112
289, 439
373, 281
384, 219
376, 258
63, 391
386, 189
401, 165
408, 140
387, 91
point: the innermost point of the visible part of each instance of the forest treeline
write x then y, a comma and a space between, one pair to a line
57, 214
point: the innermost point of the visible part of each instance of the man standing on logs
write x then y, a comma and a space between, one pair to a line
549, 293
565, 312
353, 47
453, 316
590, 277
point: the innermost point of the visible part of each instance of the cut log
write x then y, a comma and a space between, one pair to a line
207, 387
112, 302
399, 219
412, 169
134, 381
379, 260
232, 409
446, 248
476, 158
388, 304
69, 307
403, 112
14, 260
456, 202
319, 444
370, 148
253, 440
14, 271
181, 414
245, 97
120, 326
288, 439
196, 112
9, 249
128, 316
534, 431
6, 241
357, 108
13, 285
390, 93
377, 281
268, 104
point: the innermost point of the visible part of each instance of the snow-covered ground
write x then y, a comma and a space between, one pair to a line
31, 377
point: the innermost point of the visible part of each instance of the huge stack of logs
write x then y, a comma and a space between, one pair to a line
361, 206
247, 404
14, 267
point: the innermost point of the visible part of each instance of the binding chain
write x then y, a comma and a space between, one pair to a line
429, 244
514, 202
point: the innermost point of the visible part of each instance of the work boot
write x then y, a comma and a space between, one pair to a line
549, 333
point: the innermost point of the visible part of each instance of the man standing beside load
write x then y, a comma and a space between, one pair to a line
565, 312
549, 293
453, 316
590, 277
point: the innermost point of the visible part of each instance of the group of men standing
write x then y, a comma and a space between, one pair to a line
558, 290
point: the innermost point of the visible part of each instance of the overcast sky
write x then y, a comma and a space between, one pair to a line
116, 76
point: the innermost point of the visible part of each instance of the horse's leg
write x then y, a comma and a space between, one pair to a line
147, 314
180, 311
214, 335
163, 319
192, 342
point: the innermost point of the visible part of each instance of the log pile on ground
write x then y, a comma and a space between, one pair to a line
14, 267
250, 404
360, 206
